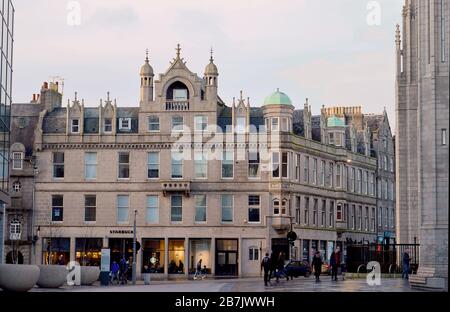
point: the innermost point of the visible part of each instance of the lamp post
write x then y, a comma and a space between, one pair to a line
134, 249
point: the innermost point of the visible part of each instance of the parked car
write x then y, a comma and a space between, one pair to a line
296, 268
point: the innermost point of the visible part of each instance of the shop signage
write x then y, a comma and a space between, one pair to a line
105, 260
121, 231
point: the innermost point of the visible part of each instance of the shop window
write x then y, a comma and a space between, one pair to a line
199, 249
253, 254
55, 251
176, 256
153, 252
88, 251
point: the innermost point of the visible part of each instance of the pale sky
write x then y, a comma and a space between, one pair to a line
324, 50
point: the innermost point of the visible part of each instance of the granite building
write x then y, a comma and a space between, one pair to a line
205, 180
6, 52
422, 111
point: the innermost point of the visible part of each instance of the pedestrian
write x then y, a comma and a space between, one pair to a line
280, 267
114, 272
406, 260
198, 271
273, 265
265, 265
123, 267
317, 265
335, 260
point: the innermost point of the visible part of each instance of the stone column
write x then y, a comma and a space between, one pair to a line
72, 249
166, 257
213, 255
186, 257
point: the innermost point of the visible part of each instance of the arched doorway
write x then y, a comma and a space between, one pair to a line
10, 256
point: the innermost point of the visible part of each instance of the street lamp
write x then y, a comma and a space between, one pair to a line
134, 249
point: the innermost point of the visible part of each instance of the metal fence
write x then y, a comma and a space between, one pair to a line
388, 255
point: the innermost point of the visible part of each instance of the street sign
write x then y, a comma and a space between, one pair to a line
105, 260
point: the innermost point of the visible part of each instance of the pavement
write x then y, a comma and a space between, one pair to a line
300, 284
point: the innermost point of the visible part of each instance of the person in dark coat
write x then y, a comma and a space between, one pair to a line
335, 261
123, 270
265, 265
273, 265
317, 265
280, 266
405, 261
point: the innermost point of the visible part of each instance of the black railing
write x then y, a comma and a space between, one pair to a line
389, 256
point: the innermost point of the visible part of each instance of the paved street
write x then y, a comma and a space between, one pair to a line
249, 285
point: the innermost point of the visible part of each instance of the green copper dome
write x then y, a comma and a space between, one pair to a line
278, 98
335, 122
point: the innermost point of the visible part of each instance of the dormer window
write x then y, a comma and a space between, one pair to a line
180, 94
125, 123
17, 161
107, 125
75, 126
240, 124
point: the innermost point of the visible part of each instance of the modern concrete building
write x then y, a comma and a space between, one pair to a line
221, 183
422, 136
6, 51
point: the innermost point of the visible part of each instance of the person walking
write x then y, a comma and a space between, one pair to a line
317, 265
273, 265
406, 260
123, 267
198, 271
280, 267
265, 265
114, 272
335, 260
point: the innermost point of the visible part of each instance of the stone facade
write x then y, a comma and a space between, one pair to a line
422, 136
95, 167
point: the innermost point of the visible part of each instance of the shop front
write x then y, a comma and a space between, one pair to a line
176, 256
153, 255
55, 250
88, 251
121, 247
227, 257
200, 249
280, 245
